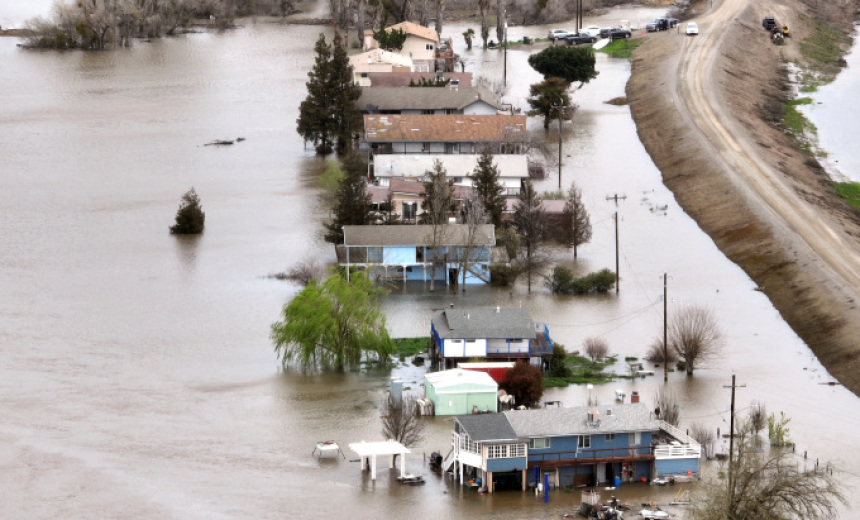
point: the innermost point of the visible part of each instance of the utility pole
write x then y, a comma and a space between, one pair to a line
617, 276
615, 198
732, 432
505, 63
665, 338
560, 108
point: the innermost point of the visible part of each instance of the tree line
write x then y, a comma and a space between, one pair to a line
100, 24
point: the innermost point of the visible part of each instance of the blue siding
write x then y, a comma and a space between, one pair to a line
399, 255
677, 466
518, 463
562, 448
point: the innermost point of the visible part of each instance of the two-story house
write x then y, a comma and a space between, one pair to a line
419, 252
407, 197
493, 333
513, 168
420, 44
579, 446
377, 61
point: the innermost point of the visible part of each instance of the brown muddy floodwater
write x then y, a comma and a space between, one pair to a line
136, 376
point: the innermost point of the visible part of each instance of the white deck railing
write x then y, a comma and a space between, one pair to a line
685, 447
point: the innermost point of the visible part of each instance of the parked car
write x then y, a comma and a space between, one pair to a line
619, 33
769, 22
692, 29
592, 30
661, 24
558, 34
578, 38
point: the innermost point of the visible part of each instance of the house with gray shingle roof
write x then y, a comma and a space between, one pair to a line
412, 253
428, 100
491, 332
578, 446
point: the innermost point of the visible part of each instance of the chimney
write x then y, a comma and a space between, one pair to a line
634, 397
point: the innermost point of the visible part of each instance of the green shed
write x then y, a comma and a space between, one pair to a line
460, 392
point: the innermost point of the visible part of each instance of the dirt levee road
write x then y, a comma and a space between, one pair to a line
708, 110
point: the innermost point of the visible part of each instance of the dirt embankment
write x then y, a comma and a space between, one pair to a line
708, 110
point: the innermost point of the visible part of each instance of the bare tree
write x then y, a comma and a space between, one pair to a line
596, 348
705, 437
437, 205
484, 6
440, 15
360, 20
471, 253
401, 422
667, 407
501, 19
657, 354
306, 272
758, 417
530, 221
772, 485
423, 13
694, 336
576, 219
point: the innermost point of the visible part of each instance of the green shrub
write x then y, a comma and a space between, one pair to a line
562, 281
502, 275
190, 217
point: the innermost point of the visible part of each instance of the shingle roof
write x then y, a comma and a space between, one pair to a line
483, 323
424, 98
414, 235
550, 422
441, 128
415, 30
402, 79
487, 427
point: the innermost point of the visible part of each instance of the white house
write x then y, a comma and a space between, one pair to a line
513, 168
420, 44
376, 61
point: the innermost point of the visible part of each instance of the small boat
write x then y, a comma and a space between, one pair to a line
328, 447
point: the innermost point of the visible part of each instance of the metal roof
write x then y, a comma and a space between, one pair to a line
416, 235
459, 376
487, 427
483, 323
425, 98
555, 422
456, 165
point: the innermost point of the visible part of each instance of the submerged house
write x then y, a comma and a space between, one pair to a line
492, 333
579, 446
454, 255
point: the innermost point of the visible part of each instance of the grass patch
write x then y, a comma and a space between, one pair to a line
405, 347
824, 47
799, 126
583, 371
850, 191
622, 48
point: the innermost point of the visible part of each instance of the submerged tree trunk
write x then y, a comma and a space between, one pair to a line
484, 5
440, 15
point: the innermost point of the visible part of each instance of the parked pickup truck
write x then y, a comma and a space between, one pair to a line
618, 33
661, 24
769, 22
578, 38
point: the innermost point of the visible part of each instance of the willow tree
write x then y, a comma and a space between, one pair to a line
333, 324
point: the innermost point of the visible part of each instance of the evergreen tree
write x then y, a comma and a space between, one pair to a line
348, 119
530, 221
488, 188
390, 39
546, 99
328, 116
189, 217
352, 203
576, 219
566, 62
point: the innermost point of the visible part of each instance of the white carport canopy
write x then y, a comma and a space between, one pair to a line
372, 450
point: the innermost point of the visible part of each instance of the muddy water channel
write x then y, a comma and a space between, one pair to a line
136, 375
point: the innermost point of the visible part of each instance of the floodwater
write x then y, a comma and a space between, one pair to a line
137, 379
835, 114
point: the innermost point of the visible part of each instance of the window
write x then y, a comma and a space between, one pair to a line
429, 46
610, 437
584, 441
471, 341
540, 444
504, 451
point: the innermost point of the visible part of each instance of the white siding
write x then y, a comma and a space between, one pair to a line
501, 346
476, 348
454, 348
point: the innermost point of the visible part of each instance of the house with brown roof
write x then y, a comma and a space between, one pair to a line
418, 253
444, 134
420, 44
428, 100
